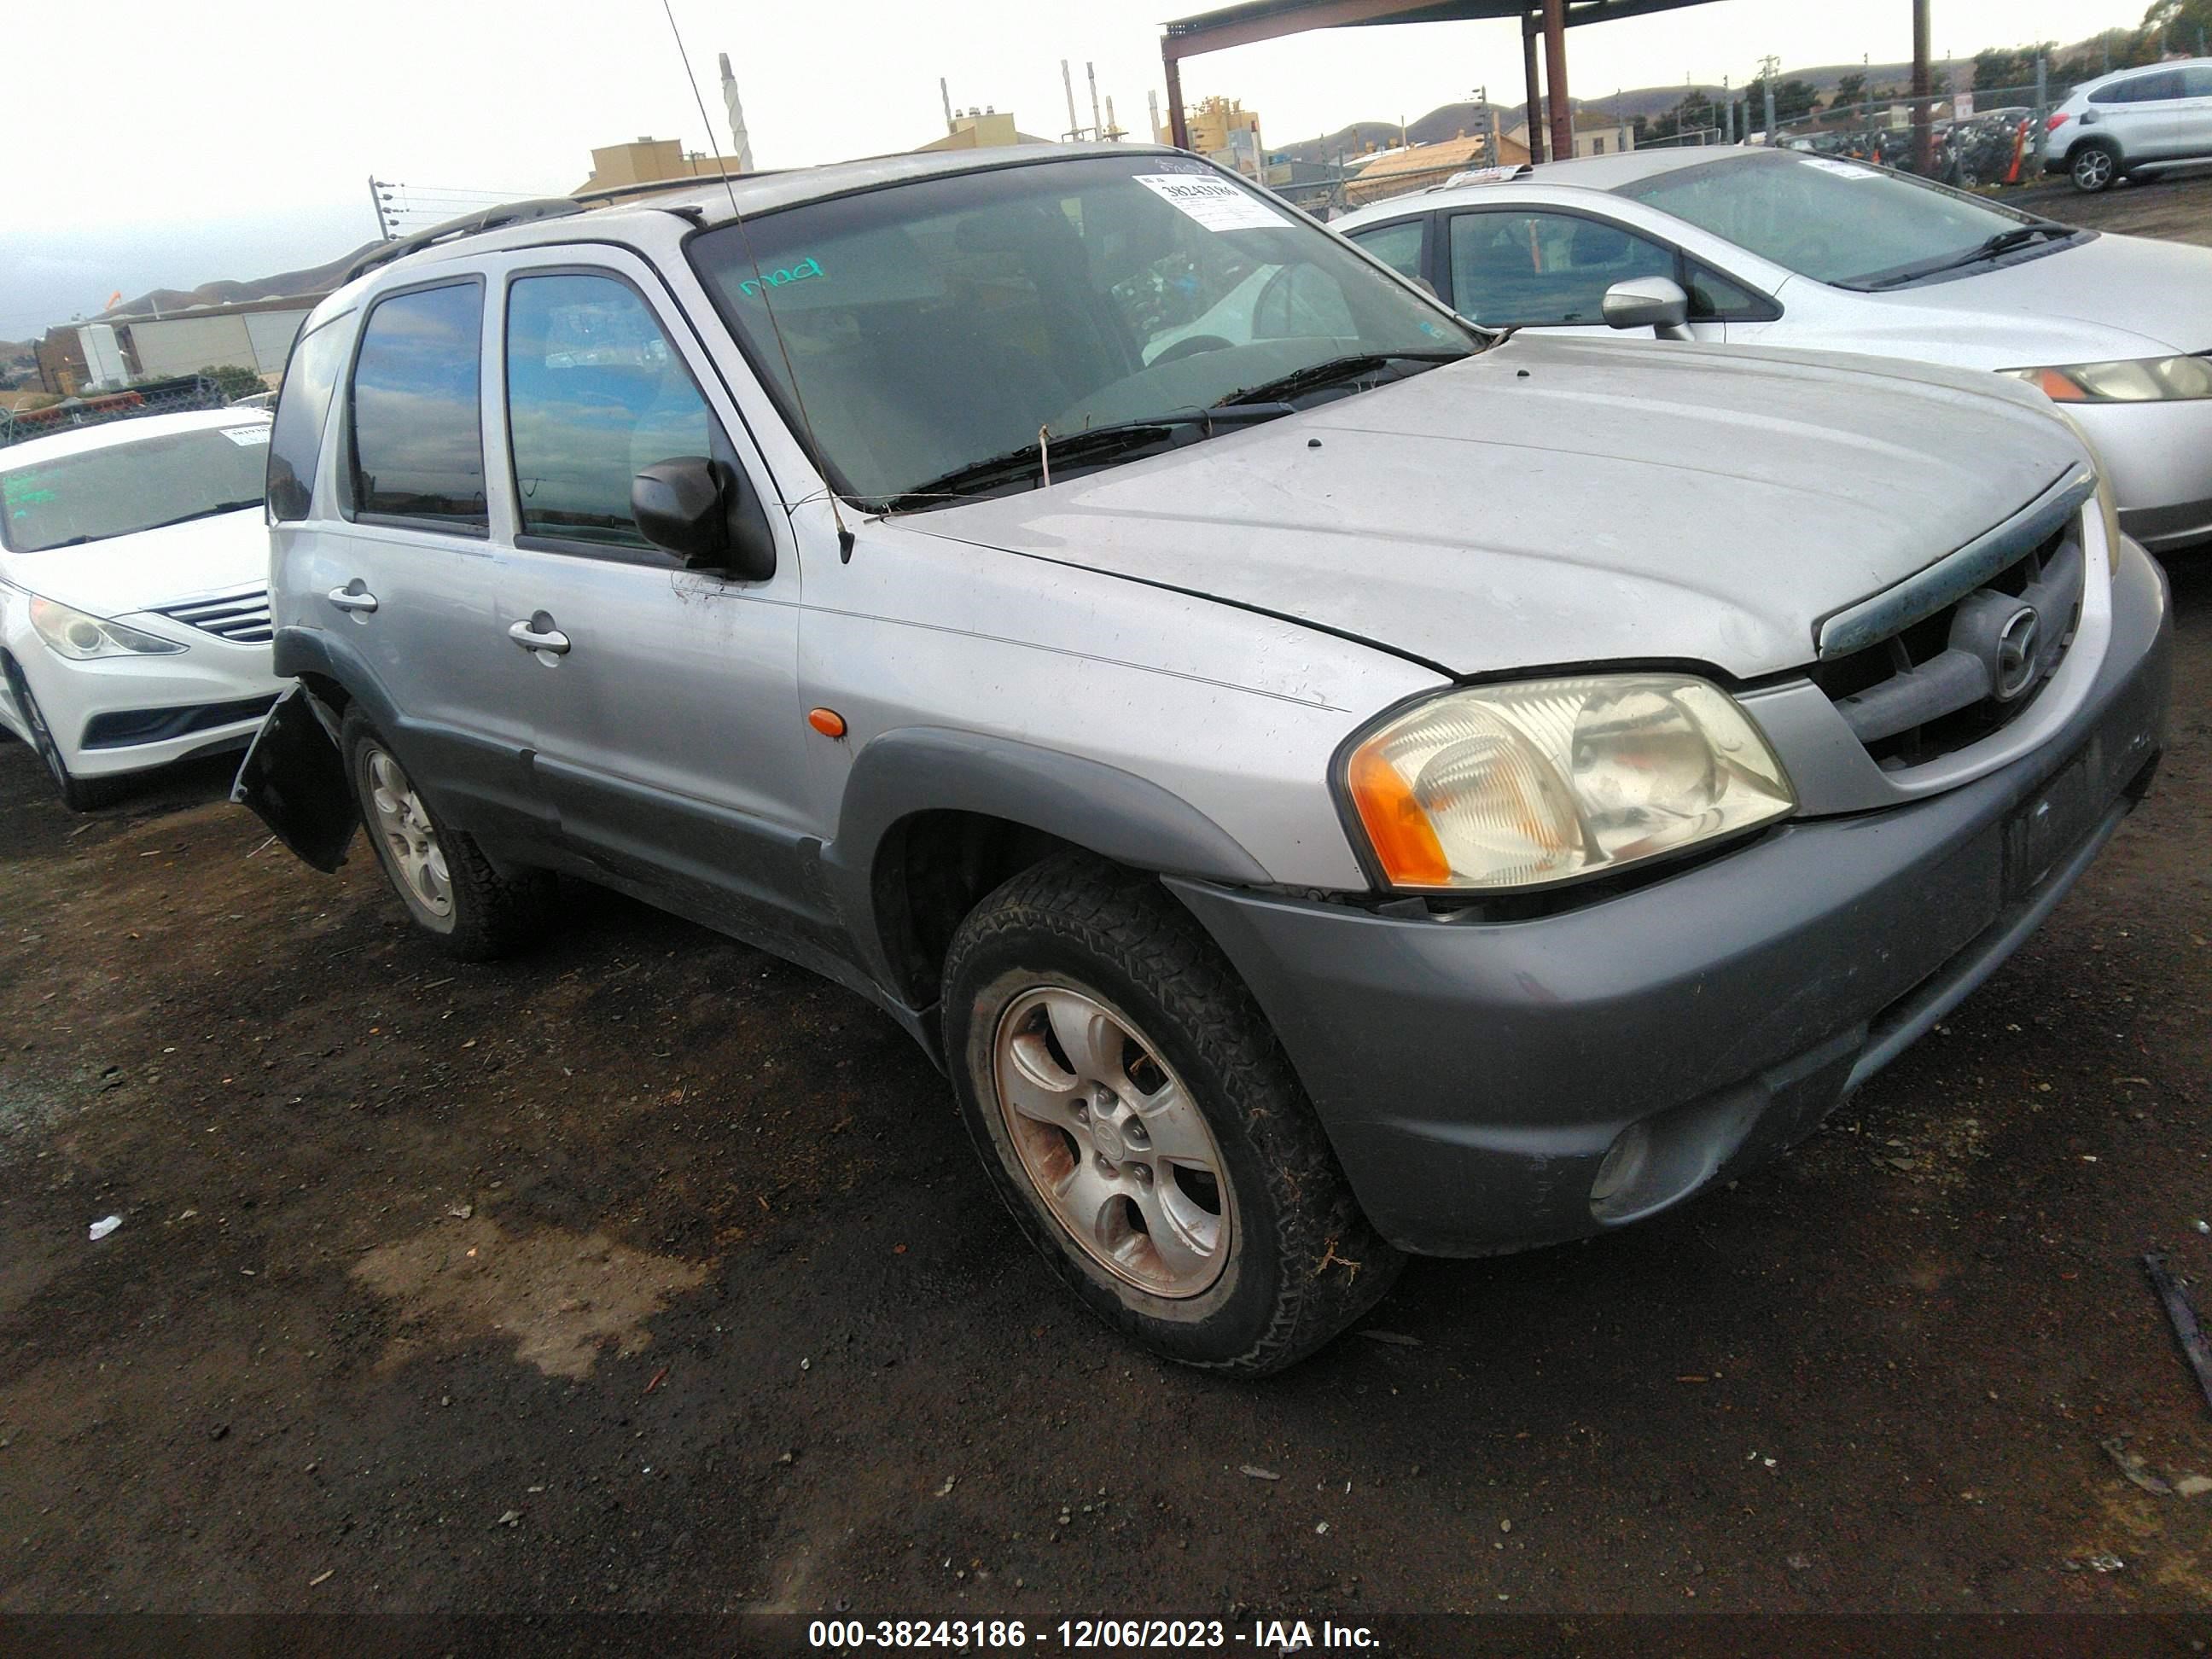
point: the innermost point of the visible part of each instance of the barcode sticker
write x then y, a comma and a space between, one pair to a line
1213, 202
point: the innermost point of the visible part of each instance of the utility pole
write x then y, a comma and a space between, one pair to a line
1098, 126
376, 200
1489, 126
1923, 128
1067, 82
1769, 67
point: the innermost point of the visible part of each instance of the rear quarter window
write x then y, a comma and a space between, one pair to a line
296, 442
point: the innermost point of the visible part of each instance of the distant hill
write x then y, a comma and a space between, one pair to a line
285, 285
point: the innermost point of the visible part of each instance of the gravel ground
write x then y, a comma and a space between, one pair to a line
649, 1272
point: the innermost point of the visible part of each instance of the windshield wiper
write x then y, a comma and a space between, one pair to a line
2003, 242
1090, 443
1336, 370
208, 511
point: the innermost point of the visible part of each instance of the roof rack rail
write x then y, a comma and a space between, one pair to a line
469, 224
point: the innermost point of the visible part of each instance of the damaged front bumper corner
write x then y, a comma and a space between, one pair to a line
294, 779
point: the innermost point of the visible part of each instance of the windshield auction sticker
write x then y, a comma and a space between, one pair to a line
246, 437
1214, 202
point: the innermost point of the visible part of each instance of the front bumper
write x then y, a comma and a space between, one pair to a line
1472, 1075
117, 714
2159, 457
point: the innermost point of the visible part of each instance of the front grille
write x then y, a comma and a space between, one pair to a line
1954, 676
241, 619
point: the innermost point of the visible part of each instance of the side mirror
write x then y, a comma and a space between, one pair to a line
700, 511
1653, 302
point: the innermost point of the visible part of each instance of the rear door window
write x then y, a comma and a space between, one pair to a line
1544, 270
595, 394
417, 432
295, 443
1400, 247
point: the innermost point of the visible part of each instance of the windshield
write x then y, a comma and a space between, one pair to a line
934, 326
1836, 221
126, 487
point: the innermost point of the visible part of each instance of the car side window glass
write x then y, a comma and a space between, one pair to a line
2197, 80
295, 441
1715, 299
418, 440
595, 394
2140, 89
1399, 246
1544, 270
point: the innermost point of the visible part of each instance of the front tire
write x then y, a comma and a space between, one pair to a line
2094, 167
452, 890
78, 794
1144, 1126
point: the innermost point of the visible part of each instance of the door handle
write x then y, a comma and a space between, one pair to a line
538, 634
353, 596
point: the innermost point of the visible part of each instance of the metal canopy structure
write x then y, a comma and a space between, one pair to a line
1269, 19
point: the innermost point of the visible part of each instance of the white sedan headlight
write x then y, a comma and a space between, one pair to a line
2146, 380
1501, 787
81, 637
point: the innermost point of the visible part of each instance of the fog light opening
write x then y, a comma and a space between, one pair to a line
1622, 1171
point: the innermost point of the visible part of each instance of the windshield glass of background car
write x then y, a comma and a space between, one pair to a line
129, 487
940, 323
1836, 221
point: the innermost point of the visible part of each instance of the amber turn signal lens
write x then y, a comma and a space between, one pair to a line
827, 721
1405, 844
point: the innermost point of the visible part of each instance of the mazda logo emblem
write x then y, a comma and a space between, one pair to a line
2015, 664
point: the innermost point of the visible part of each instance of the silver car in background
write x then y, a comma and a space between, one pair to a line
1323, 781
1779, 248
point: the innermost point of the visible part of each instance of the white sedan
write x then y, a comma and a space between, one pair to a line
134, 595
1785, 249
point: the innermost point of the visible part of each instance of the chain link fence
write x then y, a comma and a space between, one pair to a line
174, 396
1992, 137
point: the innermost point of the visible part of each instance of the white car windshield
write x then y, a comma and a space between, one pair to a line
1839, 221
935, 327
97, 494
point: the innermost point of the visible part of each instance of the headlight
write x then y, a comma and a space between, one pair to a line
2149, 381
1523, 786
74, 634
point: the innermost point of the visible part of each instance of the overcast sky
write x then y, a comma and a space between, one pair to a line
157, 149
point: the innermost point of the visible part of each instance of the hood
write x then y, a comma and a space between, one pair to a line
2108, 298
126, 573
1558, 501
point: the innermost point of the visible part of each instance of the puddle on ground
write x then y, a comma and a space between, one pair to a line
563, 1298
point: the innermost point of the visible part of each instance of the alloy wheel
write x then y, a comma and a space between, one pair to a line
410, 841
1113, 1142
2092, 170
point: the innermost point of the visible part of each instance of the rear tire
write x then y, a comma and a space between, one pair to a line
2094, 167
78, 794
452, 890
1144, 1127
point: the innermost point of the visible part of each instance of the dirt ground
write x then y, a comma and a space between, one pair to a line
649, 1272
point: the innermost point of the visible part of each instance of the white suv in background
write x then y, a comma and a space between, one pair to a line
134, 595
2130, 120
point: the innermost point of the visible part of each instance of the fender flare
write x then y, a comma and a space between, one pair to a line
1114, 813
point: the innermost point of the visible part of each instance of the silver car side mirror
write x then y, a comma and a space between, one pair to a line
1652, 302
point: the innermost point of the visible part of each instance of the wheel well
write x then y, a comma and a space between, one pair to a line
930, 871
333, 696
